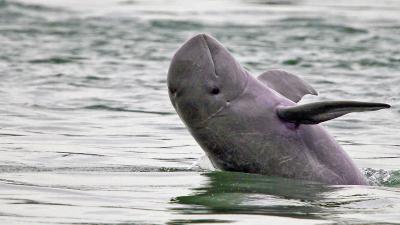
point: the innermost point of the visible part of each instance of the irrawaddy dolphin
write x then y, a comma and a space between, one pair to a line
254, 125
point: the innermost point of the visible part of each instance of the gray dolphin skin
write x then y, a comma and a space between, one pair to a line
254, 125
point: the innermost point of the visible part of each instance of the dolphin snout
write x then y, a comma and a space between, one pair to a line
199, 38
192, 64
197, 49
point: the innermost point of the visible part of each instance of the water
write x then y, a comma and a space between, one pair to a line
88, 135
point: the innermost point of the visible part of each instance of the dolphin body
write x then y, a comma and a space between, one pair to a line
254, 125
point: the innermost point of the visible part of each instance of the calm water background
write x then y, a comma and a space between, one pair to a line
88, 135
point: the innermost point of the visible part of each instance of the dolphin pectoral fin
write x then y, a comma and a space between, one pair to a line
286, 84
318, 112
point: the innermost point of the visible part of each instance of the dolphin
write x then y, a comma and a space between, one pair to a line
254, 125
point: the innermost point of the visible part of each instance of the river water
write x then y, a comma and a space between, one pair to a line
88, 135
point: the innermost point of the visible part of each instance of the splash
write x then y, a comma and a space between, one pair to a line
203, 163
381, 177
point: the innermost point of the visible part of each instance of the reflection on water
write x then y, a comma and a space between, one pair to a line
88, 135
238, 193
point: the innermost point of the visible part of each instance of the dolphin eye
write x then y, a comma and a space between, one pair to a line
215, 91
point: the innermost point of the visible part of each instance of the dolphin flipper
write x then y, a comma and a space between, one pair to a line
286, 84
318, 112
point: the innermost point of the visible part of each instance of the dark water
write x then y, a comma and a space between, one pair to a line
88, 135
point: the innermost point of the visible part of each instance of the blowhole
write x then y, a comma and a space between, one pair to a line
215, 91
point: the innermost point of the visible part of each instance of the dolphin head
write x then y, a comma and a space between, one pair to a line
203, 79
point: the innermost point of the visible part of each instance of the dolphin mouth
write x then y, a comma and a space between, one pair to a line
216, 114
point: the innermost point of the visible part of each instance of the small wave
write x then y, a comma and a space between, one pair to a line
66, 154
381, 177
92, 77
292, 62
24, 169
301, 20
27, 6
13, 12
274, 2
11, 135
122, 109
101, 107
320, 24
373, 62
176, 24
57, 60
